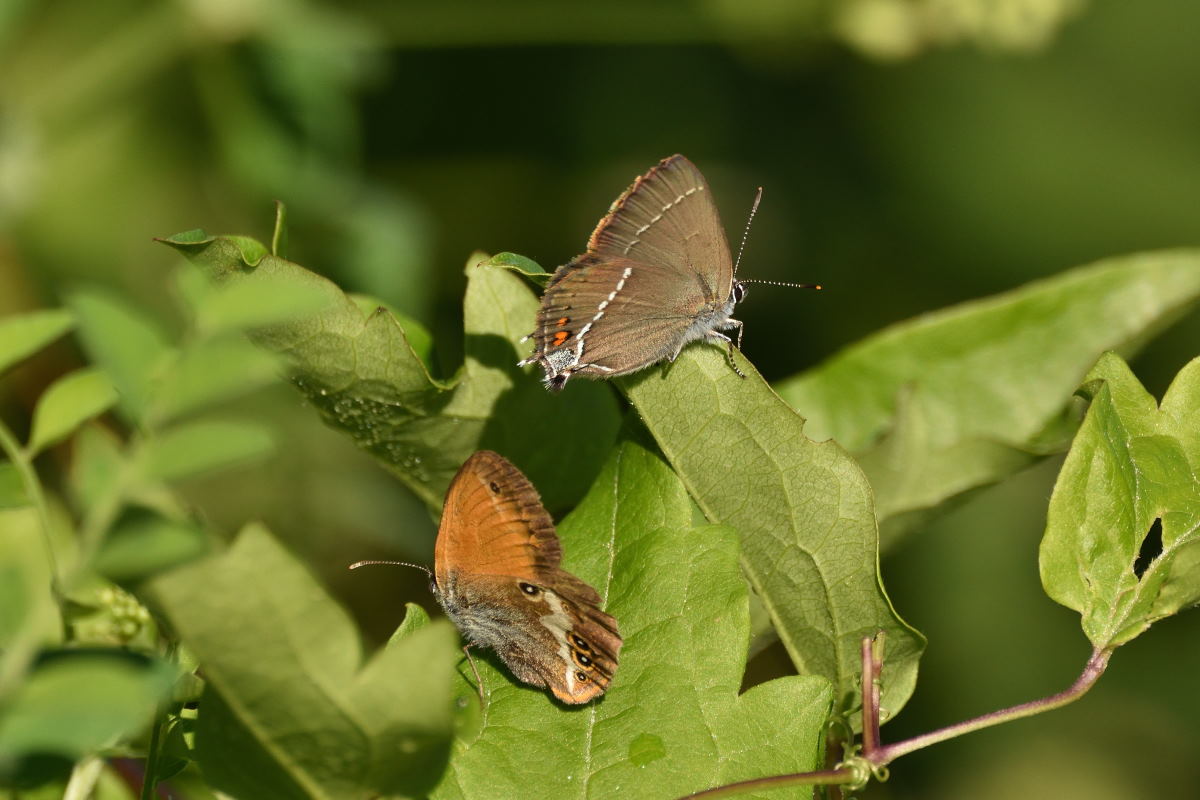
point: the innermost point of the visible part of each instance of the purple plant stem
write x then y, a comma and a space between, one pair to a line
1091, 673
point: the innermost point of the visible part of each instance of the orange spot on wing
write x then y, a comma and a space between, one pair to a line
563, 321
560, 337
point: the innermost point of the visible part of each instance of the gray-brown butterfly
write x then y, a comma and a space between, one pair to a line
656, 276
497, 575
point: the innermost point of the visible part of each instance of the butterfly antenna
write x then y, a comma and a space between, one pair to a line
746, 232
424, 569
782, 283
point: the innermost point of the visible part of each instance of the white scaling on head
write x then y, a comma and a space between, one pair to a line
558, 623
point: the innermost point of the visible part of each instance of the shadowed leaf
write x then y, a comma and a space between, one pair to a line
361, 372
289, 708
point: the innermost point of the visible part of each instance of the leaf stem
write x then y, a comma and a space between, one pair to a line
827, 777
1091, 673
872, 664
876, 757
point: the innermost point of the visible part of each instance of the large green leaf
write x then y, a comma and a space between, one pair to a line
289, 710
803, 510
963, 397
361, 373
1133, 474
672, 722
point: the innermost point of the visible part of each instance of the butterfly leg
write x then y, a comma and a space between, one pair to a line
729, 343
478, 681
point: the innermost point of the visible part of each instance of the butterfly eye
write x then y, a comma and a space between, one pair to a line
529, 589
739, 292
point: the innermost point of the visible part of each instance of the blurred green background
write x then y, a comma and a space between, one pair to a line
913, 154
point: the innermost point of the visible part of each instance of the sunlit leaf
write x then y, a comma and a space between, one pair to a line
68, 403
673, 720
965, 396
22, 336
803, 510
1122, 542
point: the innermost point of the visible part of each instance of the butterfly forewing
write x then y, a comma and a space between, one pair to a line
667, 219
494, 521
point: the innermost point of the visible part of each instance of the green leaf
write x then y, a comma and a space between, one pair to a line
1134, 466
126, 345
22, 336
803, 510
366, 380
205, 445
418, 335
415, 619
289, 710
69, 402
518, 264
673, 720
966, 396
77, 702
143, 544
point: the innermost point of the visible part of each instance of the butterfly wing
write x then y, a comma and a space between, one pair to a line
494, 521
668, 218
656, 276
608, 317
497, 572
550, 637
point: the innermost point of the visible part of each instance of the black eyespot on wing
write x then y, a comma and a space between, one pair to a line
495, 487
583, 660
529, 589
580, 642
581, 676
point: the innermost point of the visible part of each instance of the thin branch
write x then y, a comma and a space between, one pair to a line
1091, 673
872, 664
